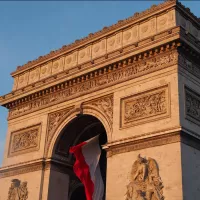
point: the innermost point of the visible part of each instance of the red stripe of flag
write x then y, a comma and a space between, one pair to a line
82, 171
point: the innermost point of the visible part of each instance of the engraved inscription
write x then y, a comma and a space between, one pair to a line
25, 140
142, 107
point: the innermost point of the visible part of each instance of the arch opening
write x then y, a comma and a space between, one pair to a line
79, 129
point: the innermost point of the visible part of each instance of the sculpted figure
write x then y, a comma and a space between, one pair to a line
145, 181
23, 191
18, 190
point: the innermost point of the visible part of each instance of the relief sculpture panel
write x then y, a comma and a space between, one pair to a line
130, 35
24, 140
84, 55
34, 75
71, 60
105, 105
45, 70
147, 29
99, 49
114, 42
18, 190
23, 80
166, 21
192, 106
58, 65
141, 108
54, 119
145, 181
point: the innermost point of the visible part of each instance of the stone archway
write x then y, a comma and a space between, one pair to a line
79, 129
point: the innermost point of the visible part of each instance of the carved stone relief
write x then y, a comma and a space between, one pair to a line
145, 181
102, 81
189, 66
141, 108
166, 21
84, 55
105, 105
192, 105
25, 140
23, 80
45, 70
18, 190
114, 42
147, 28
53, 121
71, 60
130, 35
99, 49
58, 65
34, 75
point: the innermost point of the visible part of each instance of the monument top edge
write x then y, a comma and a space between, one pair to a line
100, 34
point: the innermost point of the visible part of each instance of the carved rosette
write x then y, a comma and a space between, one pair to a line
145, 181
149, 105
18, 190
25, 140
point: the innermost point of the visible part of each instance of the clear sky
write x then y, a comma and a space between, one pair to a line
31, 29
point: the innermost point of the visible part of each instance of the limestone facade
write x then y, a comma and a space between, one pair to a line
140, 79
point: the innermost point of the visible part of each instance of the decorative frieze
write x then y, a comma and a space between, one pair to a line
145, 107
103, 46
18, 190
189, 66
145, 181
25, 140
192, 105
106, 30
96, 80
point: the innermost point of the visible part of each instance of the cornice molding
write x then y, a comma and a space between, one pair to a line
153, 141
102, 33
148, 43
34, 165
190, 42
132, 67
22, 168
106, 31
164, 137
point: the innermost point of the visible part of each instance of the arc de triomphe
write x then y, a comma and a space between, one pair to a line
137, 84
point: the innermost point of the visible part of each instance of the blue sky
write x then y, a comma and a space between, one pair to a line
31, 29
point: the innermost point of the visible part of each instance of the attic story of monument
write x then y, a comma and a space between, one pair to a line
136, 83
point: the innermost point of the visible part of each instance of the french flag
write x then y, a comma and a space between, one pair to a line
87, 167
